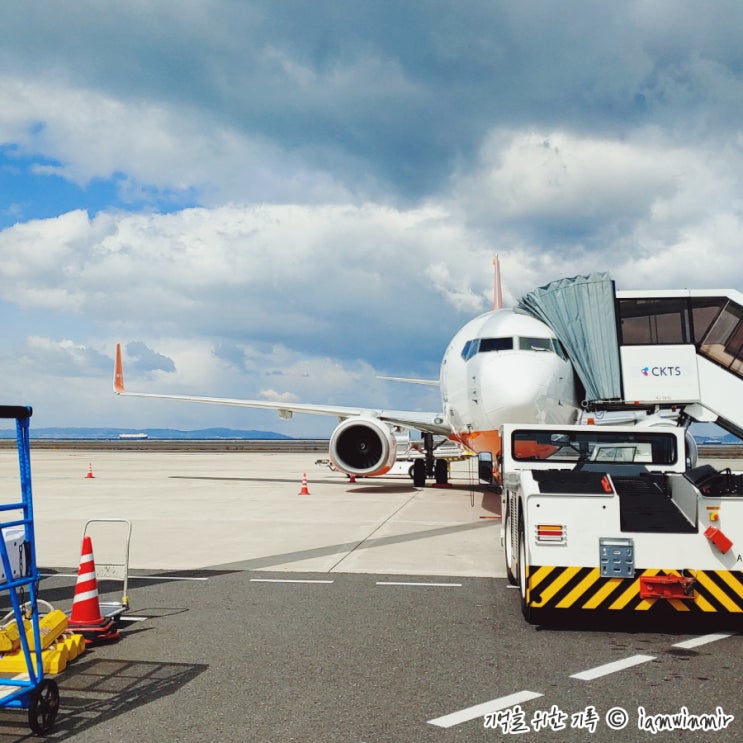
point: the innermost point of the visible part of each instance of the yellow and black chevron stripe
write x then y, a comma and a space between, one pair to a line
550, 587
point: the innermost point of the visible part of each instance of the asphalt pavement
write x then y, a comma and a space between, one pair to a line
368, 612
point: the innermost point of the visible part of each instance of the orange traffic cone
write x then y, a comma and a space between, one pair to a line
90, 474
305, 489
85, 617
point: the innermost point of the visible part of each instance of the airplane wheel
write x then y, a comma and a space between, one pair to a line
43, 707
419, 473
441, 472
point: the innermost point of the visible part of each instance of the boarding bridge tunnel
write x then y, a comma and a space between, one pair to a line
651, 349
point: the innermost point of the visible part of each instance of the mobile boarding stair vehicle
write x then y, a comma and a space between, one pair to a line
610, 519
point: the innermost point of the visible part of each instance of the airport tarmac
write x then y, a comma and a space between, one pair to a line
365, 612
195, 510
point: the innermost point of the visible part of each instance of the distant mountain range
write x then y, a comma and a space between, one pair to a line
711, 433
170, 434
726, 439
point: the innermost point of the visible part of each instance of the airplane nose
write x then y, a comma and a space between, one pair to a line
513, 387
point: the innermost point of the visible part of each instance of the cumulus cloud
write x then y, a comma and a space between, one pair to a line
63, 358
552, 178
456, 290
276, 273
151, 151
261, 198
570, 204
274, 396
145, 359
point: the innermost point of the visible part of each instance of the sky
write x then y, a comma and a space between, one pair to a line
284, 200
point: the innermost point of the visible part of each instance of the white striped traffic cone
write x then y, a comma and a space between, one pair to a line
85, 617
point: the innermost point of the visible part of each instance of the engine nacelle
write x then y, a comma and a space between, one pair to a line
363, 446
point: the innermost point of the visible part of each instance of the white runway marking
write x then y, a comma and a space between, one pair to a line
607, 668
695, 642
287, 580
164, 577
480, 710
404, 583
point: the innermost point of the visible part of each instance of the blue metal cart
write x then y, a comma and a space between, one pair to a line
30, 690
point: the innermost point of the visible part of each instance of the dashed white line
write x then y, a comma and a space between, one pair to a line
480, 710
695, 642
607, 668
166, 577
287, 580
404, 583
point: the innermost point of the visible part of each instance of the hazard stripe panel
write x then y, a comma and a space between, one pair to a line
551, 587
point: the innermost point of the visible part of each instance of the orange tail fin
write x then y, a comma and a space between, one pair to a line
118, 371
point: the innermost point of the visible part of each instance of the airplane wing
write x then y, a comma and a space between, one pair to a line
426, 382
429, 422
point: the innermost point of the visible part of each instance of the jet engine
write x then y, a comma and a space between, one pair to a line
363, 446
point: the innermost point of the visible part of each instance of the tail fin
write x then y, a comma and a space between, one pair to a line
118, 372
497, 289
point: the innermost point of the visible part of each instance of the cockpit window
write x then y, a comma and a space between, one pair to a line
469, 350
536, 344
485, 345
496, 344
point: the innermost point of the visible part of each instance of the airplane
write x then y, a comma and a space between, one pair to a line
501, 367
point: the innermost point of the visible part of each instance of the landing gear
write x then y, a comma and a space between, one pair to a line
428, 450
429, 466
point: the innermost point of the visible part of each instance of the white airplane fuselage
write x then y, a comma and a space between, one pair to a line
505, 367
501, 367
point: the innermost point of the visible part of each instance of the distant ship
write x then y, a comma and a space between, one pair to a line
133, 436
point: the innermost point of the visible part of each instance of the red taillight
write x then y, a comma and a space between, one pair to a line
551, 533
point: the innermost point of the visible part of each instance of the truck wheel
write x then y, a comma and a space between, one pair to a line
513, 578
526, 610
419, 473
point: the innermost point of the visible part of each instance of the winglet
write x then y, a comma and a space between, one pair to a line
118, 372
497, 289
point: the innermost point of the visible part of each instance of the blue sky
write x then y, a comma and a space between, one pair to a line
284, 200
